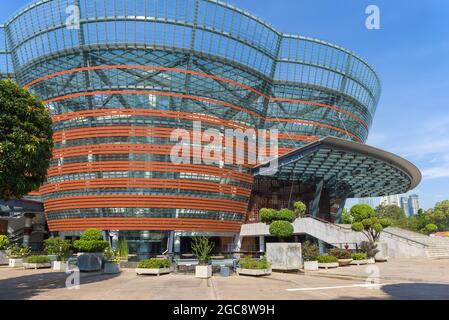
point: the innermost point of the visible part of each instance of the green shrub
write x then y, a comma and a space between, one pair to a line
17, 252
299, 208
110, 255
431, 228
326, 259
202, 248
310, 251
340, 253
122, 248
4, 242
281, 229
267, 215
59, 247
154, 264
249, 263
91, 245
359, 256
91, 235
360, 212
357, 226
38, 259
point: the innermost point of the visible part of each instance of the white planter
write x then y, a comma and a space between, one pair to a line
52, 257
59, 265
328, 265
344, 262
15, 262
111, 268
157, 272
359, 262
203, 272
36, 266
3, 257
253, 272
310, 265
371, 261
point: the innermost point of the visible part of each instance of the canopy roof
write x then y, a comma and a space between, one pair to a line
348, 169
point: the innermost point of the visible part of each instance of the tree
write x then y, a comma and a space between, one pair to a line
25, 141
280, 222
346, 217
391, 212
361, 211
367, 221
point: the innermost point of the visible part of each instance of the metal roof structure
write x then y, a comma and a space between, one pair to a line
347, 169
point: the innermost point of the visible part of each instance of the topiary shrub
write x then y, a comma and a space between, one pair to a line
340, 253
359, 256
300, 208
281, 229
327, 259
91, 240
91, 235
360, 212
285, 215
255, 264
154, 264
38, 259
366, 220
267, 215
310, 251
4, 242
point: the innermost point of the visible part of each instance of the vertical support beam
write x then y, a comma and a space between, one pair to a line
28, 228
340, 210
177, 242
315, 205
170, 242
321, 246
261, 243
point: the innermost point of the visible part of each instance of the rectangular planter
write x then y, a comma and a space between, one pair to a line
328, 265
344, 262
3, 258
157, 272
36, 266
203, 272
359, 262
59, 265
15, 262
284, 256
253, 272
310, 265
111, 267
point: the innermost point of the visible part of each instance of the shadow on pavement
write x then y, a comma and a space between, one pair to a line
417, 291
27, 286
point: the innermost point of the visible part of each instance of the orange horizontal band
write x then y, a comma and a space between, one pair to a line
144, 224
144, 201
108, 183
237, 84
120, 166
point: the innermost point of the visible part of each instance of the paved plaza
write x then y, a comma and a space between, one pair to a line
397, 279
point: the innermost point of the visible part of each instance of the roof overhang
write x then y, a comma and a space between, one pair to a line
12, 208
348, 169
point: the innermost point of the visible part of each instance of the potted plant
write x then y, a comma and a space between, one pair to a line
254, 267
154, 266
17, 254
111, 262
202, 248
359, 258
37, 262
343, 256
310, 252
327, 261
90, 250
60, 249
4, 244
122, 249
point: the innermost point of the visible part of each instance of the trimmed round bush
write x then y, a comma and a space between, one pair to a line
431, 228
281, 229
267, 215
362, 211
300, 208
377, 227
286, 215
154, 264
327, 259
38, 259
359, 256
357, 226
91, 235
91, 245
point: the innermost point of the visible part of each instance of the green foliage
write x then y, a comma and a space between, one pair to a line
391, 212
370, 248
346, 217
431, 228
91, 245
154, 264
340, 253
248, 263
270, 215
91, 235
360, 212
4, 242
25, 141
357, 227
17, 252
285, 215
267, 215
299, 208
122, 248
281, 229
359, 256
59, 247
202, 248
310, 251
110, 255
38, 259
327, 259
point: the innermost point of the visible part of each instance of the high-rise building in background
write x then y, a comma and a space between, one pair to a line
390, 200
369, 201
413, 204
405, 205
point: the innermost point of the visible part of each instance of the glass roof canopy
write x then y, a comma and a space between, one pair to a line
347, 169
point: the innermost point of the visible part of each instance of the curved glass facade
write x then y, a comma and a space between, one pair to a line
135, 70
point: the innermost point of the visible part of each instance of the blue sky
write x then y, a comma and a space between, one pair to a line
411, 56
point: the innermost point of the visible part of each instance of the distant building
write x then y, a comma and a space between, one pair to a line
405, 205
390, 200
368, 201
413, 204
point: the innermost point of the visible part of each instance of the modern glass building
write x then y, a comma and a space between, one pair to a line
123, 76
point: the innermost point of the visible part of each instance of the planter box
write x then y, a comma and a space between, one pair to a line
52, 257
310, 265
111, 267
157, 272
203, 272
36, 266
90, 261
3, 257
59, 265
371, 261
253, 272
15, 262
284, 256
344, 262
359, 262
328, 265
382, 255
